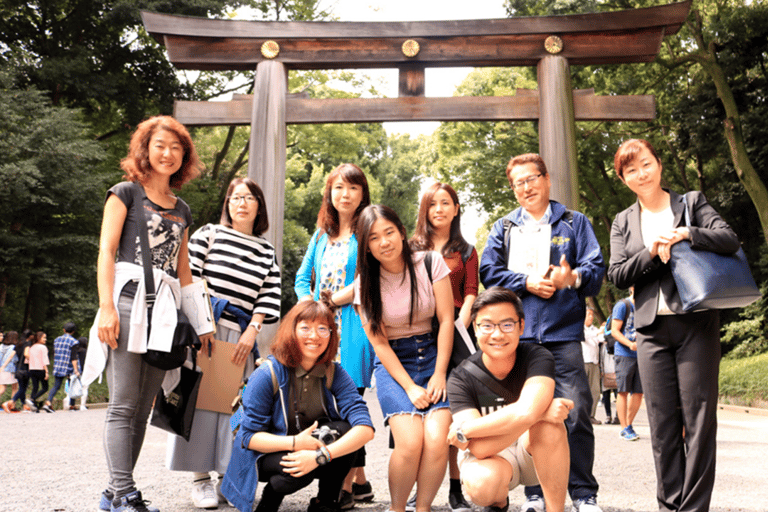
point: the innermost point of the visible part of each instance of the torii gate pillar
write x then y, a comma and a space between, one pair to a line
267, 153
557, 129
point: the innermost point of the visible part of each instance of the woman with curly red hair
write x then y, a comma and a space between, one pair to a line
161, 156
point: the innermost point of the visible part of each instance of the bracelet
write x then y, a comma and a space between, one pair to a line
293, 444
333, 303
326, 452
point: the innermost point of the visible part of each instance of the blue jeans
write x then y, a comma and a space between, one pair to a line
57, 382
571, 382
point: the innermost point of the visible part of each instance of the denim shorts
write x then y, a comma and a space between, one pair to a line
417, 354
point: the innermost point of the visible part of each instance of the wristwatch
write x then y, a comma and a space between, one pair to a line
256, 325
460, 435
320, 457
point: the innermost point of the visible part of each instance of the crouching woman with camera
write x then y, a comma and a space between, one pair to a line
287, 402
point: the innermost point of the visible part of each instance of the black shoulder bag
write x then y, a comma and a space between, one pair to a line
185, 336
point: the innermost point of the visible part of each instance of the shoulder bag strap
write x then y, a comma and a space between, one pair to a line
138, 207
489, 382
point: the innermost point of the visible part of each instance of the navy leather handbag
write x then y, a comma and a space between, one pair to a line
708, 280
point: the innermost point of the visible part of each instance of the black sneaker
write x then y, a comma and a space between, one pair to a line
362, 492
346, 501
505, 508
105, 502
457, 503
47, 408
316, 506
131, 502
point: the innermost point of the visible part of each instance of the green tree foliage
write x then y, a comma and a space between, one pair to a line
50, 204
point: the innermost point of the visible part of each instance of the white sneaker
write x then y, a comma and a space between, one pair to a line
83, 407
534, 503
204, 494
588, 504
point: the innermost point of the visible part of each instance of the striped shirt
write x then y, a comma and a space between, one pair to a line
63, 356
239, 268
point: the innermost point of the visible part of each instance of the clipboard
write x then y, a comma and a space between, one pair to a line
221, 378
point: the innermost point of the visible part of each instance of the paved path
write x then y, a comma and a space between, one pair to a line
55, 462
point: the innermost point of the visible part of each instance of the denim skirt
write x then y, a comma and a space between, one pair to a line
418, 355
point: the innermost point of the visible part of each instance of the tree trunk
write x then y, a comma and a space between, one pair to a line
748, 177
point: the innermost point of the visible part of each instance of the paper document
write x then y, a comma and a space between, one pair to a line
196, 304
529, 249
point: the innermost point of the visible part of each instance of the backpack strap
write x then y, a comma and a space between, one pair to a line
492, 384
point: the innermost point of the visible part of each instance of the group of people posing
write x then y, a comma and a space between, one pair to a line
516, 412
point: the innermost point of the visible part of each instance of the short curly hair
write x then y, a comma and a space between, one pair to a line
136, 165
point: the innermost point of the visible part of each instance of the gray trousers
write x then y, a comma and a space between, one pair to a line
133, 385
679, 359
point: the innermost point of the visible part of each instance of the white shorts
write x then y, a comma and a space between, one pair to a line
523, 471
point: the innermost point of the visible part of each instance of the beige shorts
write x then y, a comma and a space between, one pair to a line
523, 471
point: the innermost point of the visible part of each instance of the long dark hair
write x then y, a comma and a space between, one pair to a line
261, 224
328, 217
369, 268
422, 238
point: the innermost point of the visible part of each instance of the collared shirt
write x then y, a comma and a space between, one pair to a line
528, 219
308, 404
62, 355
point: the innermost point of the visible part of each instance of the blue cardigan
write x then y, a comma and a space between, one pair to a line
356, 352
266, 411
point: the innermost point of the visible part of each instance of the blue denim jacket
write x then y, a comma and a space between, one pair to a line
561, 317
266, 411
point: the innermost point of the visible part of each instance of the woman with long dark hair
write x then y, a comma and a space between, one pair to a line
678, 352
438, 228
397, 300
332, 259
240, 267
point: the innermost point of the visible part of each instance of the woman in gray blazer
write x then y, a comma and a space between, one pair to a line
678, 352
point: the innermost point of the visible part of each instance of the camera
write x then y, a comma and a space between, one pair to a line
325, 434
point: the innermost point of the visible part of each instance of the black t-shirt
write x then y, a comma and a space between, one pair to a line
465, 391
165, 227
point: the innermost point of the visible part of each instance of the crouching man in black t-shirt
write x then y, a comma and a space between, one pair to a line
506, 421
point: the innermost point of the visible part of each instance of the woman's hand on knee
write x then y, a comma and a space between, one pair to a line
419, 396
299, 463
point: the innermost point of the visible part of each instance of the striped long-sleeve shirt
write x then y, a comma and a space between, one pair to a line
240, 268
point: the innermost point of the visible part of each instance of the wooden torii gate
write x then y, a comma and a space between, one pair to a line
552, 43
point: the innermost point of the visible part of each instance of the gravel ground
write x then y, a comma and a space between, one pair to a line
55, 462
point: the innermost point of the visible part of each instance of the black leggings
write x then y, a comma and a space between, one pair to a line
38, 379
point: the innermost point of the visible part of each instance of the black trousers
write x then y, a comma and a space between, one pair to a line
679, 358
279, 483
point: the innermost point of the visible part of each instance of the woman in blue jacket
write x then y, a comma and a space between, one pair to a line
332, 257
274, 443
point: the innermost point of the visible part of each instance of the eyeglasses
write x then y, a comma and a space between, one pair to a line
527, 181
506, 326
322, 331
249, 199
